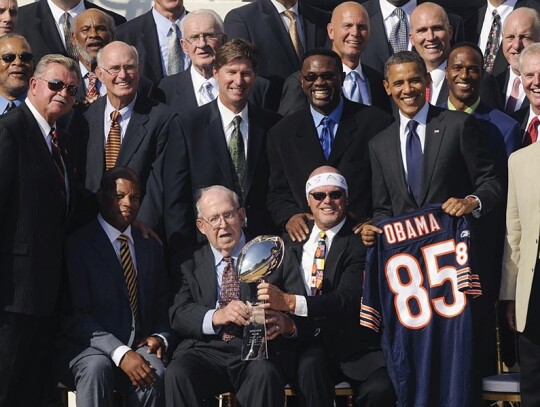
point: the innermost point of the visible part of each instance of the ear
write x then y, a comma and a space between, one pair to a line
99, 73
184, 45
387, 88
200, 226
330, 31
242, 214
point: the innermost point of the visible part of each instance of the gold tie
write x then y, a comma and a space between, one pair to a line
293, 32
129, 274
112, 148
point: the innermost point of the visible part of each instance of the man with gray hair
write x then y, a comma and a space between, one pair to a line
16, 67
8, 16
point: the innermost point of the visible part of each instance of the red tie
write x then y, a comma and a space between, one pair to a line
513, 98
59, 164
428, 93
532, 132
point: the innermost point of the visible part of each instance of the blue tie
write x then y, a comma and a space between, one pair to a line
414, 161
356, 94
326, 136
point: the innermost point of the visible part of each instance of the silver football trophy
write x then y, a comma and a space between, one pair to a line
258, 258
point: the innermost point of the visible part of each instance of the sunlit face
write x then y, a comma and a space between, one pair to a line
530, 78
323, 92
407, 86
464, 74
120, 207
122, 85
90, 34
169, 7
329, 211
518, 33
202, 39
235, 81
349, 32
8, 16
14, 76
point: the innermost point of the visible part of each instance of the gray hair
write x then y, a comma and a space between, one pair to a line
66, 62
203, 12
533, 49
201, 192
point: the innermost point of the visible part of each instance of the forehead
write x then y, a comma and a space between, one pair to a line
464, 55
8, 4
352, 14
57, 71
403, 71
428, 17
91, 17
125, 185
13, 45
118, 55
518, 23
215, 202
240, 64
531, 63
200, 22
319, 63
326, 188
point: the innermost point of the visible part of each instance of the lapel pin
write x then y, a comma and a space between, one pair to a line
436, 131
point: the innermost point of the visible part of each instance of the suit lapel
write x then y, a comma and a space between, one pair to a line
206, 278
185, 90
378, 38
395, 161
143, 273
150, 41
255, 147
48, 26
434, 137
273, 20
344, 135
306, 130
95, 150
335, 254
135, 133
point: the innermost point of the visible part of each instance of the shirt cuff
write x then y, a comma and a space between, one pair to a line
164, 340
119, 353
301, 306
478, 211
207, 326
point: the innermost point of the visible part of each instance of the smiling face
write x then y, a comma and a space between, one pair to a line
463, 75
530, 78
322, 94
120, 207
328, 212
90, 34
407, 86
518, 33
235, 81
14, 76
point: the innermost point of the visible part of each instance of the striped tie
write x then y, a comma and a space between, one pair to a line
112, 148
129, 274
293, 33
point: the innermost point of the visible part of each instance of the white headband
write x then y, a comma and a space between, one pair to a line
326, 179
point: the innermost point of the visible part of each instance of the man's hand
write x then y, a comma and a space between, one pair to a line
155, 345
277, 323
146, 231
235, 312
369, 234
138, 369
357, 229
275, 298
511, 315
459, 207
297, 227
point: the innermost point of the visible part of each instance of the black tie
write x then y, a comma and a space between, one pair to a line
414, 161
10, 106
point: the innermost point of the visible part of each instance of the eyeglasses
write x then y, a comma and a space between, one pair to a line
56, 85
321, 196
207, 37
228, 217
325, 76
23, 56
115, 70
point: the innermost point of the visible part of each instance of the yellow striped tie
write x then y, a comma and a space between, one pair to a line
293, 33
112, 148
129, 274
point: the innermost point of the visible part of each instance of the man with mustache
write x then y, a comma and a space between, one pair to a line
16, 67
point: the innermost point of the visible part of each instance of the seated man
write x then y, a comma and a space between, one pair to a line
118, 283
209, 314
332, 346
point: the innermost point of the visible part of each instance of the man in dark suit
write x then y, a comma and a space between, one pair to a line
118, 334
349, 32
34, 200
280, 40
45, 27
222, 142
332, 346
156, 36
332, 131
16, 68
209, 314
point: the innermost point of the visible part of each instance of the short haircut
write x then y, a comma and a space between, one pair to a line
471, 45
237, 49
198, 195
99, 57
108, 180
109, 21
203, 12
11, 35
66, 62
405, 57
324, 52
533, 50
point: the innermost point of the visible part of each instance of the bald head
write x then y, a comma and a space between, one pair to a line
521, 29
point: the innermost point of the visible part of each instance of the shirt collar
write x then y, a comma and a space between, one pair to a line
358, 69
504, 8
57, 12
4, 102
125, 112
83, 69
281, 8
438, 74
387, 9
227, 115
198, 79
469, 110
42, 123
113, 233
218, 257
330, 233
163, 24
420, 117
335, 115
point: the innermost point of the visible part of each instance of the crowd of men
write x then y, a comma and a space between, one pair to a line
137, 158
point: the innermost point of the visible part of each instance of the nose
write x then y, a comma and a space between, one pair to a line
430, 35
463, 73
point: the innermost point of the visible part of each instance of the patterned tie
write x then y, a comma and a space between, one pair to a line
92, 90
317, 272
356, 93
532, 132
230, 291
493, 42
10, 106
414, 161
238, 155
175, 61
399, 36
293, 33
58, 162
129, 274
513, 98
206, 94
66, 29
326, 136
114, 141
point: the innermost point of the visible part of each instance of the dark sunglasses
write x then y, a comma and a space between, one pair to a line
325, 76
24, 57
56, 85
320, 196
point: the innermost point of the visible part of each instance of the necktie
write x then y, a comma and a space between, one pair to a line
92, 90
114, 141
10, 106
293, 33
66, 29
493, 42
356, 93
238, 155
414, 161
58, 163
399, 36
230, 291
175, 61
206, 93
428, 93
326, 136
317, 272
129, 275
532, 132
513, 98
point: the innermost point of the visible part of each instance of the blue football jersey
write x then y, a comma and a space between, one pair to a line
417, 285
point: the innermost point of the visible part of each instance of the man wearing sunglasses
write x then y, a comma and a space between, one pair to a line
35, 199
16, 68
328, 266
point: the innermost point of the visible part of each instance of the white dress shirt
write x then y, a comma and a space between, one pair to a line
364, 85
510, 85
163, 28
198, 81
227, 117
438, 76
123, 121
503, 10
58, 17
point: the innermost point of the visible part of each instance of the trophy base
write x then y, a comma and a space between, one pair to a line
254, 346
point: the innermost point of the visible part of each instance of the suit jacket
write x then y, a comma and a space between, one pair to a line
294, 151
293, 98
38, 27
379, 50
502, 82
197, 156
33, 216
260, 23
102, 315
522, 117
456, 164
177, 92
522, 225
335, 313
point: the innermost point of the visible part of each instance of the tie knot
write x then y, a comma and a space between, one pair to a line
399, 13
411, 126
326, 122
236, 121
173, 29
66, 17
208, 86
291, 15
355, 76
229, 260
91, 75
54, 135
535, 121
495, 14
322, 235
123, 238
115, 116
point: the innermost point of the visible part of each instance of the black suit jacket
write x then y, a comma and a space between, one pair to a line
293, 98
456, 164
260, 23
522, 117
32, 217
294, 151
502, 82
36, 24
197, 156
